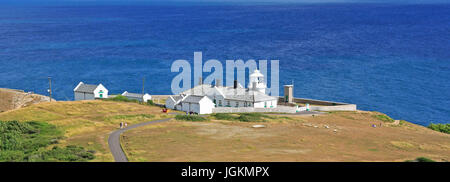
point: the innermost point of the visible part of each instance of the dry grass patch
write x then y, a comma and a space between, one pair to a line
87, 123
336, 136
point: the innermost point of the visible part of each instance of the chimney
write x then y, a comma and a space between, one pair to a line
235, 84
288, 93
218, 82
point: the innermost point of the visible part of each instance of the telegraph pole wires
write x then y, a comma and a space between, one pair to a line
50, 87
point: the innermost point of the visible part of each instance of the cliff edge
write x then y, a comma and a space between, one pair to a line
14, 99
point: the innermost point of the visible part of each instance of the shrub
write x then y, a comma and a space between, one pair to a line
150, 102
444, 128
224, 116
421, 159
190, 118
27, 141
252, 117
68, 153
120, 98
243, 117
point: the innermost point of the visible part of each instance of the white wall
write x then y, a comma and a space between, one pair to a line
268, 104
99, 88
147, 97
259, 105
206, 106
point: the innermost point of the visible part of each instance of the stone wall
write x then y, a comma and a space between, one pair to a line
321, 105
279, 109
347, 107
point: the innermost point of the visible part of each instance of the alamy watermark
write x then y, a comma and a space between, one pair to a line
183, 81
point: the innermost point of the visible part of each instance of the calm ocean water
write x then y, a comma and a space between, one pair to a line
389, 58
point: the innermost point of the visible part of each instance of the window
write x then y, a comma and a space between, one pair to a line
228, 103
220, 102
237, 104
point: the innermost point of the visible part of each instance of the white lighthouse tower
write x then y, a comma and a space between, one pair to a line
257, 82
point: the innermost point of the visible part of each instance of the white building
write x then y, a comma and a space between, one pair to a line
173, 102
197, 104
135, 96
235, 96
90, 92
257, 82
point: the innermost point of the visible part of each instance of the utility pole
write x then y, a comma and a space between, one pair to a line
143, 86
50, 87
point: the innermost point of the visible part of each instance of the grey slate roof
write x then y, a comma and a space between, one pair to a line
193, 99
134, 95
241, 94
87, 88
177, 98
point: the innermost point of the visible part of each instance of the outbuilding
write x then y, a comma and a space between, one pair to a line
135, 96
90, 92
197, 104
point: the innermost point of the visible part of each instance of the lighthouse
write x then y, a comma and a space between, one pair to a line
257, 82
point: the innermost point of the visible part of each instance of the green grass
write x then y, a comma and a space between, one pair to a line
383, 117
223, 116
28, 141
444, 128
121, 98
190, 118
242, 117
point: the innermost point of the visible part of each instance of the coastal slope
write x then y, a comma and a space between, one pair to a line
14, 99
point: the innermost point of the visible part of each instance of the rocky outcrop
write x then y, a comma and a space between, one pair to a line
14, 99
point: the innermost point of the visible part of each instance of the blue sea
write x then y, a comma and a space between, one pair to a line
392, 58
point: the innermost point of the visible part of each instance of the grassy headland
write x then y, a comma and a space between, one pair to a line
334, 136
82, 129
85, 123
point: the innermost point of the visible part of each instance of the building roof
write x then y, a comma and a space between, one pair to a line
192, 99
176, 98
135, 95
256, 73
241, 94
87, 88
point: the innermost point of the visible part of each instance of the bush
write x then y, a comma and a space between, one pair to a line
190, 118
421, 159
444, 128
224, 116
27, 141
69, 153
150, 102
243, 117
120, 98
252, 117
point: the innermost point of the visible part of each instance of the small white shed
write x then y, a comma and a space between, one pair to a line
90, 92
197, 104
135, 96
